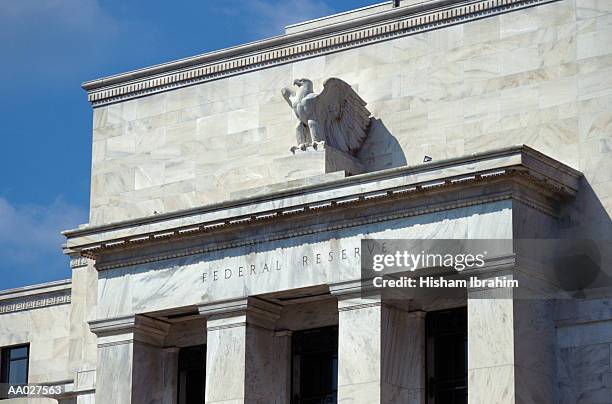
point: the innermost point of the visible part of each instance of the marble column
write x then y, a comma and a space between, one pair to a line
381, 350
170, 374
130, 360
246, 361
511, 347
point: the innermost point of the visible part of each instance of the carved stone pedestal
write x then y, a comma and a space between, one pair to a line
305, 167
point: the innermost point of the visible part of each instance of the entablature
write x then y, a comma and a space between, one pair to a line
35, 296
518, 172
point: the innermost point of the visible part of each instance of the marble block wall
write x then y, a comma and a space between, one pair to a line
584, 351
539, 76
54, 324
47, 330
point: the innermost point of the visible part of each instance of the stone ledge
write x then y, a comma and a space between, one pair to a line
554, 179
287, 185
307, 167
128, 329
37, 289
36, 302
35, 296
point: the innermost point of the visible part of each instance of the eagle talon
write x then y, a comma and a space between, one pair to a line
293, 149
315, 145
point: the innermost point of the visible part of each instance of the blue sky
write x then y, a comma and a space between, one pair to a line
48, 48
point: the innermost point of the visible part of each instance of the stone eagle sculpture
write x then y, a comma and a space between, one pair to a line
336, 117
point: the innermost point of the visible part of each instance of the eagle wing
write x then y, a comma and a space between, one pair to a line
343, 116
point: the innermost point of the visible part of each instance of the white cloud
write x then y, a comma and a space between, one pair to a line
269, 17
30, 234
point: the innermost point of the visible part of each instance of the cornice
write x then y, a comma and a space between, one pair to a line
555, 174
530, 177
143, 259
127, 329
394, 23
34, 303
128, 324
36, 296
241, 224
39, 288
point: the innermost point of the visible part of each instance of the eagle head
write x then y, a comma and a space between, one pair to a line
301, 82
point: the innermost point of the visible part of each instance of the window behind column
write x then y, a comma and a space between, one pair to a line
447, 356
191, 377
315, 366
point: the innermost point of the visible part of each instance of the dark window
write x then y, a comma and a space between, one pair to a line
315, 366
191, 377
447, 356
14, 364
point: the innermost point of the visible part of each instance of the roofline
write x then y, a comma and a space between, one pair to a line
35, 289
292, 47
262, 44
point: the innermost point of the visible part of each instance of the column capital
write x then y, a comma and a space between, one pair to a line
129, 329
357, 294
348, 288
236, 312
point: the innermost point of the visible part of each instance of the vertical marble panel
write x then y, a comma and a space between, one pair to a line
225, 359
403, 356
87, 398
130, 360
381, 352
147, 374
491, 385
490, 348
245, 360
114, 374
267, 366
511, 342
359, 348
130, 372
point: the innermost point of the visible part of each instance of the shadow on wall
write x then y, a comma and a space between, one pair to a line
586, 216
381, 150
586, 219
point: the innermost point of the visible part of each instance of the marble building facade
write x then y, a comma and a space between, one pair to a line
205, 230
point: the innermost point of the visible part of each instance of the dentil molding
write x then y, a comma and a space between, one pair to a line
394, 23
